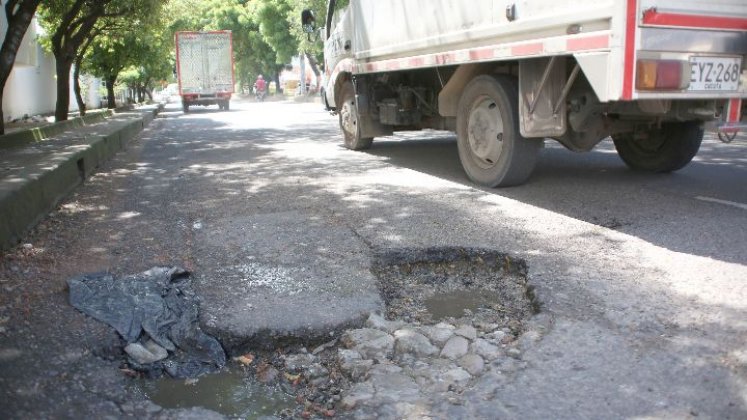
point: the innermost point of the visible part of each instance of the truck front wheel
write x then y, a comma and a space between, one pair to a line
492, 151
664, 149
350, 120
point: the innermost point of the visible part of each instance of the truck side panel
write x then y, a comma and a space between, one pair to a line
388, 29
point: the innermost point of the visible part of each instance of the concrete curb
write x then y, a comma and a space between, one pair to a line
26, 137
25, 199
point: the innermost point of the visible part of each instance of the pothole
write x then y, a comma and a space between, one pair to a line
452, 314
430, 285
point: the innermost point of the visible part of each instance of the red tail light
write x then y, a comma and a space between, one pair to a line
662, 75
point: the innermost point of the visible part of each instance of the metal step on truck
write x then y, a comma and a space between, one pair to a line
506, 75
204, 68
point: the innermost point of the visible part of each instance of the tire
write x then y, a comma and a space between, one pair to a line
225, 105
350, 120
665, 149
185, 107
492, 151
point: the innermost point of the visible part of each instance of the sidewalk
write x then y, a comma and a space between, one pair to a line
40, 166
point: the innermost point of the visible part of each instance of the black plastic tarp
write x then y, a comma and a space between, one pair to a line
158, 304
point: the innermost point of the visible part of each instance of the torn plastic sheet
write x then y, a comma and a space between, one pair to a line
158, 304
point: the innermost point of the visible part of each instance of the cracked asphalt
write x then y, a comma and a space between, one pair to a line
643, 276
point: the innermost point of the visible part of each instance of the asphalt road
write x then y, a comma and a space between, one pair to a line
644, 275
643, 278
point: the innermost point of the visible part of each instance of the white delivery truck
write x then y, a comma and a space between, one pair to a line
204, 68
505, 75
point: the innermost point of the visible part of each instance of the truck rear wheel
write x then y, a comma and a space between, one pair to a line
492, 151
665, 149
185, 107
350, 120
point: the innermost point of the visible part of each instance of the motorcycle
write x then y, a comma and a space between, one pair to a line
260, 94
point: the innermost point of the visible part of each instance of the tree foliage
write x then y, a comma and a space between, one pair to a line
272, 17
98, 36
145, 53
71, 23
312, 44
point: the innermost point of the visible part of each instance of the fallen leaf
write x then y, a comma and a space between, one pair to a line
294, 379
245, 359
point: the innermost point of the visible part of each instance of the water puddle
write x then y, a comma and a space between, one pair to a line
429, 285
453, 304
230, 393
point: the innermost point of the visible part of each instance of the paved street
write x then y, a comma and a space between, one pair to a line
641, 278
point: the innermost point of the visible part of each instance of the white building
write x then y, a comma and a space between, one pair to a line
31, 88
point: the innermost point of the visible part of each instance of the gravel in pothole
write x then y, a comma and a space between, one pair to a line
435, 284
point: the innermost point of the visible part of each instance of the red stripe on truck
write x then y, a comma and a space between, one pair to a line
735, 108
654, 18
631, 14
481, 54
528, 49
588, 43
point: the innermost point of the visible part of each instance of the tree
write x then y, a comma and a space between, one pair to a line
145, 53
71, 23
18, 13
76, 72
272, 16
309, 44
109, 56
272, 19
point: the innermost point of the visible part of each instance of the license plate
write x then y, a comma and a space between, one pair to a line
714, 73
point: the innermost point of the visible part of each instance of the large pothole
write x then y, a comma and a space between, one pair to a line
447, 284
453, 315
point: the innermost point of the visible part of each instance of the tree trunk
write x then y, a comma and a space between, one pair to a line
278, 88
18, 18
63, 90
314, 65
76, 88
2, 115
315, 69
149, 92
70, 35
110, 92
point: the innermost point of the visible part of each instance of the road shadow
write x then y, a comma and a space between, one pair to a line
597, 187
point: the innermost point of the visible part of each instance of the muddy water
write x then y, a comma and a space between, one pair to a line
230, 393
453, 304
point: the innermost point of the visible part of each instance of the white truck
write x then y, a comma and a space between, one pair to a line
204, 68
505, 75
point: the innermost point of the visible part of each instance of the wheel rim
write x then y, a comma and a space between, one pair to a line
485, 132
349, 118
